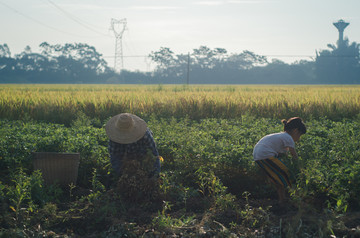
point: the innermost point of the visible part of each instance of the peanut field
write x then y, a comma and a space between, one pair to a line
208, 186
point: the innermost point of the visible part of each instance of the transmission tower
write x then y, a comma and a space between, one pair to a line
118, 27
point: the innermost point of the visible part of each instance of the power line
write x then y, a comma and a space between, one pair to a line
128, 56
288, 55
37, 21
130, 41
280, 56
190, 54
75, 19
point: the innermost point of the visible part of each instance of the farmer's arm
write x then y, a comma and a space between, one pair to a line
117, 152
151, 144
293, 153
295, 158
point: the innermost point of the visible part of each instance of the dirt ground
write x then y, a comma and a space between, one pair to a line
135, 207
110, 215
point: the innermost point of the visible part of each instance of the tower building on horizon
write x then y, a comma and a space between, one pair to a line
341, 25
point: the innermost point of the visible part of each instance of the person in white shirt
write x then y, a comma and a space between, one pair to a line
267, 151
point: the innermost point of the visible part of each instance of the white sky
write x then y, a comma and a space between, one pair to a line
266, 27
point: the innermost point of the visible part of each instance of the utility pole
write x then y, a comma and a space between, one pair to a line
188, 70
118, 32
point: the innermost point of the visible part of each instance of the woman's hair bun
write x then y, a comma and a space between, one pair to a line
294, 123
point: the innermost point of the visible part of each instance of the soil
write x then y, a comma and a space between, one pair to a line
112, 216
135, 207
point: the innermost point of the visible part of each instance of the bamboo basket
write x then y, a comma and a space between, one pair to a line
60, 168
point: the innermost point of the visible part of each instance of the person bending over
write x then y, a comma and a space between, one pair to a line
267, 151
129, 137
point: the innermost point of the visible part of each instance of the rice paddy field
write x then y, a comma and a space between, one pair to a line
60, 103
208, 187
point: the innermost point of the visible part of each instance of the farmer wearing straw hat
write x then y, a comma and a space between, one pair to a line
129, 136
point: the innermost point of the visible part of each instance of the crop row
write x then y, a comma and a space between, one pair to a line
329, 153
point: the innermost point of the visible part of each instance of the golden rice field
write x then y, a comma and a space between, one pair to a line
61, 103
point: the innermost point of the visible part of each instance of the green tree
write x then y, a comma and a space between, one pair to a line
5, 51
206, 58
77, 54
29, 61
203, 57
165, 59
339, 64
7, 64
246, 60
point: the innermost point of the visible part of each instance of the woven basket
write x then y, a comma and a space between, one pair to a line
60, 168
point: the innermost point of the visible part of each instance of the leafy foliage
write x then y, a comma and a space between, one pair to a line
329, 156
68, 63
340, 64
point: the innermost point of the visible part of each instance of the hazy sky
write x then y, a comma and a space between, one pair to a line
266, 27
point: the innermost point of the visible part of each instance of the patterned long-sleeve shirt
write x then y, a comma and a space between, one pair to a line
141, 147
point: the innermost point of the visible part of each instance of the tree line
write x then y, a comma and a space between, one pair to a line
68, 63
81, 63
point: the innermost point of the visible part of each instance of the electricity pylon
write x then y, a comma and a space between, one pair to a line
118, 27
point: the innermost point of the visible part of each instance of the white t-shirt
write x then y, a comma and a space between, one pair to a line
273, 144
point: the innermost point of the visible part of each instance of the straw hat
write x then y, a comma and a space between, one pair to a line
125, 128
